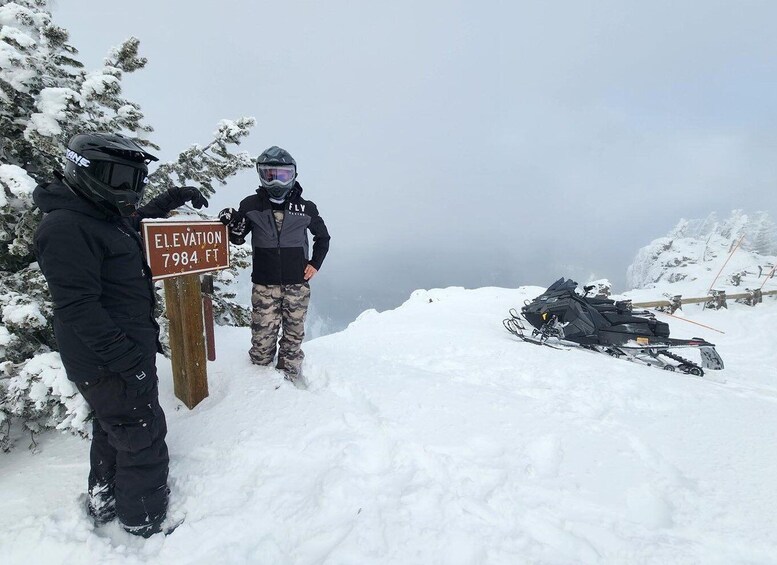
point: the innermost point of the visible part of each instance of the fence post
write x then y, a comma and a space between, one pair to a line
717, 300
753, 297
207, 309
674, 304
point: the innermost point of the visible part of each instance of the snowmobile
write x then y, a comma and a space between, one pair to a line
561, 318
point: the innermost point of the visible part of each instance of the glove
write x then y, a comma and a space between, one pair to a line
141, 379
236, 222
172, 199
184, 194
227, 215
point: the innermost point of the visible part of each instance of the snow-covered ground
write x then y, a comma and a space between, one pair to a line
429, 435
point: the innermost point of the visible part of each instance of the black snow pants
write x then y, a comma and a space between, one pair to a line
129, 460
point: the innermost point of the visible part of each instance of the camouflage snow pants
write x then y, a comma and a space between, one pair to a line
279, 307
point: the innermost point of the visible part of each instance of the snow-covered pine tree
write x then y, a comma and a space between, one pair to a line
202, 166
45, 98
762, 233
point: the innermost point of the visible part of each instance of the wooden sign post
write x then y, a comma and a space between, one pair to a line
178, 251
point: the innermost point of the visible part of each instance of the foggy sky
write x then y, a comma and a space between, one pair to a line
468, 143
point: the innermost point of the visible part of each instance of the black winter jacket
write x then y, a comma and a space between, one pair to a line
282, 258
100, 283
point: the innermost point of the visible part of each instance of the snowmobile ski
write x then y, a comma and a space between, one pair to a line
514, 326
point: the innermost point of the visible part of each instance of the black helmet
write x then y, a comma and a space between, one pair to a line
107, 169
277, 170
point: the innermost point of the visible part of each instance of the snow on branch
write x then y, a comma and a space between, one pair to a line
126, 56
56, 105
203, 165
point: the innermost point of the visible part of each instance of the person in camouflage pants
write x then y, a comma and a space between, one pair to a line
278, 219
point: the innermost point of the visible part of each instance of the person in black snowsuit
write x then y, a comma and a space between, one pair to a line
278, 219
90, 253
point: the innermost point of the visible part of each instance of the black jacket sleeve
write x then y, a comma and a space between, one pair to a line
320, 237
155, 208
171, 199
160, 206
71, 263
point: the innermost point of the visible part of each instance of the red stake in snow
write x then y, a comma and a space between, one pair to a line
690, 321
768, 276
730, 255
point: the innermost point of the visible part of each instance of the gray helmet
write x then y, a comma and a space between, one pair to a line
277, 171
107, 169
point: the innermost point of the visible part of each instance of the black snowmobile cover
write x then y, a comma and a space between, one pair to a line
591, 321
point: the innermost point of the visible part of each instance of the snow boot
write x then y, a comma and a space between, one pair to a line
100, 504
294, 376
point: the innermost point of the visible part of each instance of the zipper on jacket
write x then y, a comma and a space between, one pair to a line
135, 236
280, 259
277, 231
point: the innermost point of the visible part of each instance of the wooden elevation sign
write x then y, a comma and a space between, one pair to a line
175, 248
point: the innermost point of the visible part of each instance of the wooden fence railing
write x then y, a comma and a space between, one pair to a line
706, 299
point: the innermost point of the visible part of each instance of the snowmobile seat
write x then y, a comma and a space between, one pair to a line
605, 307
618, 319
658, 329
661, 329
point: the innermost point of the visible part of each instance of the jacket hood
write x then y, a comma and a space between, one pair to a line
57, 196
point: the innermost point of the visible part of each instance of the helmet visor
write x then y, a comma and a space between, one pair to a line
119, 176
276, 174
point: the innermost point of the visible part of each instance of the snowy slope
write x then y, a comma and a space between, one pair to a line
429, 435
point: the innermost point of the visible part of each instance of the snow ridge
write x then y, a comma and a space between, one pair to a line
695, 250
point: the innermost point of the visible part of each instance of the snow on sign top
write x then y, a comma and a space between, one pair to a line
175, 248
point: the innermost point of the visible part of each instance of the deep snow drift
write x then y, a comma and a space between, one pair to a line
430, 435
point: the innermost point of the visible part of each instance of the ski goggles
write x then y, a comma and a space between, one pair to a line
278, 174
119, 176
